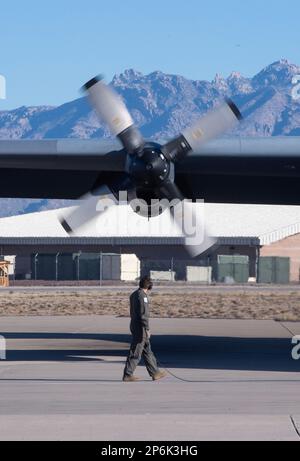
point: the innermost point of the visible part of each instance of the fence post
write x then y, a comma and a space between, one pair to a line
172, 269
56, 266
35, 265
78, 266
101, 268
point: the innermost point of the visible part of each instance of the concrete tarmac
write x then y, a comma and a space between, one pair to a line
61, 380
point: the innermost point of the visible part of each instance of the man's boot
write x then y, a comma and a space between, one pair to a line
159, 375
130, 379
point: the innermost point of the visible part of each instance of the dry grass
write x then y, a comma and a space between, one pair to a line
275, 305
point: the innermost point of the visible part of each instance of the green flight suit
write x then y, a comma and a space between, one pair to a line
139, 325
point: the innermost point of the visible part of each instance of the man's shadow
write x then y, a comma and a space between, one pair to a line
172, 351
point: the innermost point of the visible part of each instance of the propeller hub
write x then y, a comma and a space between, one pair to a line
150, 168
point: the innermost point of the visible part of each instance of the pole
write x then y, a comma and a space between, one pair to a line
172, 269
208, 265
56, 266
78, 266
101, 268
257, 264
35, 265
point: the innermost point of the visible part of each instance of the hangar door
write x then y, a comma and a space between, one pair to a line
235, 267
274, 269
111, 267
76, 266
93, 266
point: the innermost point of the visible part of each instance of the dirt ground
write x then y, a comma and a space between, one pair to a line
281, 306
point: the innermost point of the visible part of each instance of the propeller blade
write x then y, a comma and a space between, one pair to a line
212, 125
112, 110
189, 219
76, 219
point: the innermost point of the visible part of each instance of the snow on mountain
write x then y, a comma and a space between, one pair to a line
162, 105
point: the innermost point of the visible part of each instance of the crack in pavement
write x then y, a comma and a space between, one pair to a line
287, 329
295, 426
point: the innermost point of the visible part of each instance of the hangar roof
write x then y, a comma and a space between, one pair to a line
267, 223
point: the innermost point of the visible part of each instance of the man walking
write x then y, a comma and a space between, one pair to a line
139, 327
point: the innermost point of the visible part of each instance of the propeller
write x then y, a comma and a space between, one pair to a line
149, 171
112, 110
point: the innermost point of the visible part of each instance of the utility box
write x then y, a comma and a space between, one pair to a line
130, 268
233, 267
274, 269
199, 274
162, 276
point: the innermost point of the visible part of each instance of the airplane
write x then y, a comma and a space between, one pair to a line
198, 164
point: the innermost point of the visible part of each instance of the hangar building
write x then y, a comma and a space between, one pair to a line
254, 242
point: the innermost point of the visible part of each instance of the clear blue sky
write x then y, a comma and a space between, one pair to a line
48, 49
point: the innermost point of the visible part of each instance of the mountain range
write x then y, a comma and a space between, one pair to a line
162, 105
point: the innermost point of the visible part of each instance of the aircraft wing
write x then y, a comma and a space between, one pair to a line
244, 170
232, 170
60, 169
